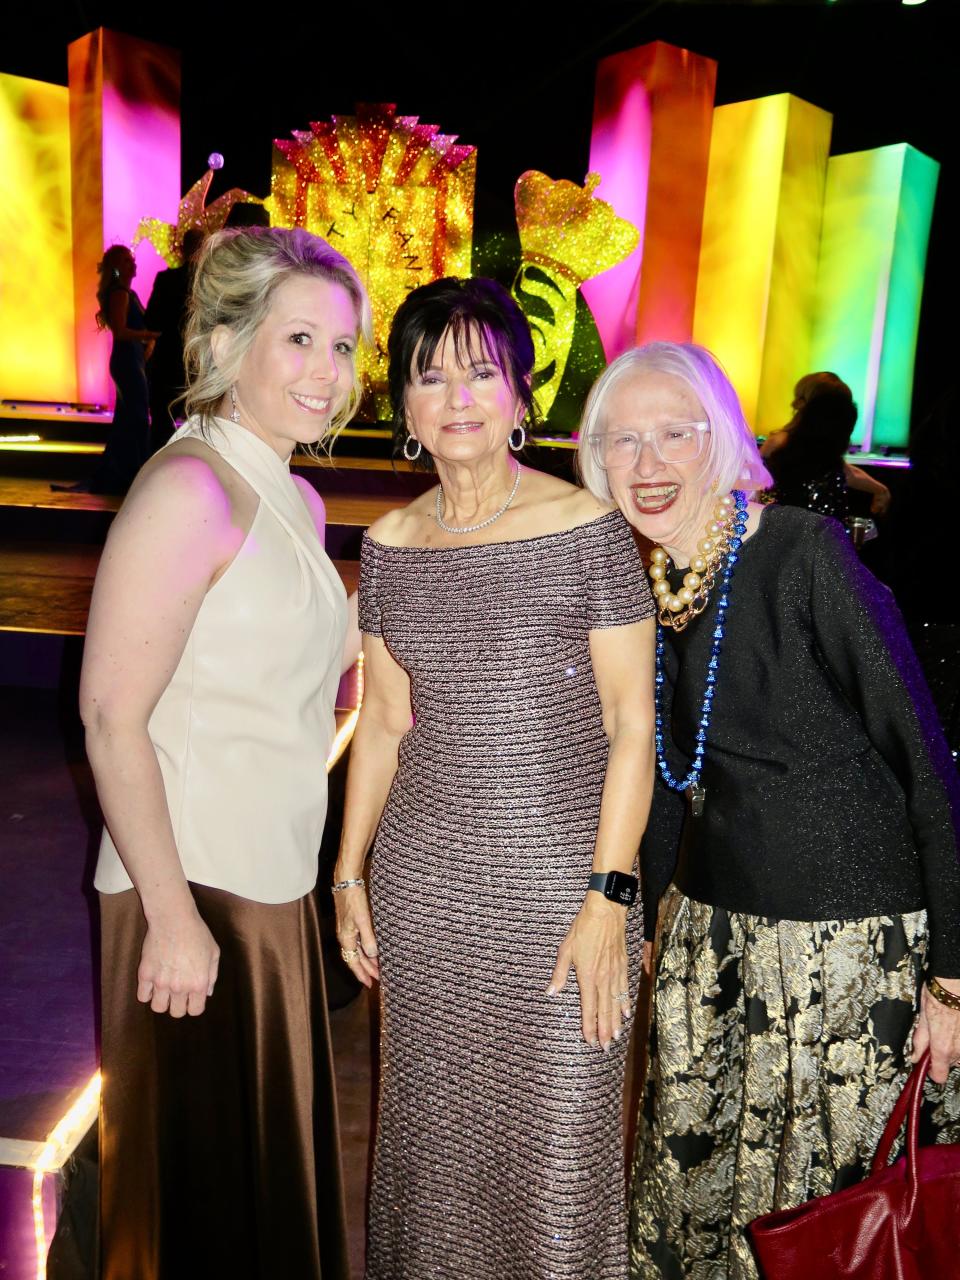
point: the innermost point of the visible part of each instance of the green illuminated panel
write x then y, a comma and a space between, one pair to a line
876, 224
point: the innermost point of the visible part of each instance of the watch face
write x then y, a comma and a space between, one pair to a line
621, 888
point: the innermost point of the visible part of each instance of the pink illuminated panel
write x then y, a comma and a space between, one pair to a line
652, 118
125, 143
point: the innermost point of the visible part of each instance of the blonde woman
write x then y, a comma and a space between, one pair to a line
216, 640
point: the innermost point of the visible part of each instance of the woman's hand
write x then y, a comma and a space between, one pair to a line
596, 947
355, 932
179, 961
938, 1028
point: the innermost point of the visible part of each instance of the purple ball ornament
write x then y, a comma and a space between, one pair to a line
215, 160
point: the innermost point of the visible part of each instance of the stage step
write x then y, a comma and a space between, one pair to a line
69, 461
373, 440
30, 511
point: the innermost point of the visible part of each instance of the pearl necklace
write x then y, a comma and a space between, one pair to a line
677, 610
691, 783
473, 528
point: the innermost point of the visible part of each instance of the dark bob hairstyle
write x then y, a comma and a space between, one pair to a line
484, 322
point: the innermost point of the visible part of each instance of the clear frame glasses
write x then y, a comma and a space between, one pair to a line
673, 442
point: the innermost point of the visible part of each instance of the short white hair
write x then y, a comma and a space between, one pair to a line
732, 458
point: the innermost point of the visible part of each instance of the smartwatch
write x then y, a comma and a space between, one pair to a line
615, 885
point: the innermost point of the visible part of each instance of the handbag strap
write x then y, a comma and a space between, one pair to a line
908, 1105
909, 1100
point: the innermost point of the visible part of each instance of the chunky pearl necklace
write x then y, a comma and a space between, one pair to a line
473, 528
691, 783
677, 610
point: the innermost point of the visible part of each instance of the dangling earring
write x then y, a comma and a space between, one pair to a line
515, 448
234, 411
418, 449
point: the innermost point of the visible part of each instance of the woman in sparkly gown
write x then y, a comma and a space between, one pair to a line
506, 611
808, 881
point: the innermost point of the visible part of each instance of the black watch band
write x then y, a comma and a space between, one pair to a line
615, 885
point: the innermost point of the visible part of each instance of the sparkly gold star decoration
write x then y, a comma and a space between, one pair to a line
194, 215
393, 195
567, 236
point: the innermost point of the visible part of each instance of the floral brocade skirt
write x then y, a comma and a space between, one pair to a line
777, 1052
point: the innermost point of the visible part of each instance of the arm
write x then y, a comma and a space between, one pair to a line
862, 639
595, 945
118, 304
384, 719
172, 536
353, 641
857, 479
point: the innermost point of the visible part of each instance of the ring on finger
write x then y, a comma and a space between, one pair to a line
349, 955
622, 996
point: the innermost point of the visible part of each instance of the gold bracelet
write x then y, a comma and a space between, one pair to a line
940, 992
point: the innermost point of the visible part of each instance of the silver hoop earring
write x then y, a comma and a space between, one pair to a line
515, 448
234, 411
412, 457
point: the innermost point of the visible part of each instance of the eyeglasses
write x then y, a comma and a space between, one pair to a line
674, 442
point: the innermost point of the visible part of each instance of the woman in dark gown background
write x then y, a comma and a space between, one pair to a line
128, 442
808, 469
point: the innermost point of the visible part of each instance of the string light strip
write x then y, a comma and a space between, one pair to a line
56, 1151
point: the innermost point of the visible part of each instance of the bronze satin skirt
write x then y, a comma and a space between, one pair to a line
219, 1152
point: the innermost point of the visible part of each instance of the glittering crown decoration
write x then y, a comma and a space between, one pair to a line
567, 236
393, 195
566, 228
194, 214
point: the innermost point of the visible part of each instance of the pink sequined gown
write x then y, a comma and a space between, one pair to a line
499, 1151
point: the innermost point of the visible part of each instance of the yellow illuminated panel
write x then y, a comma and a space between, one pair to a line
37, 360
756, 286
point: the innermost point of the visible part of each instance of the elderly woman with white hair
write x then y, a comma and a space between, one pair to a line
217, 636
803, 839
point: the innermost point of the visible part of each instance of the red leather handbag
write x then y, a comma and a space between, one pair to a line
900, 1223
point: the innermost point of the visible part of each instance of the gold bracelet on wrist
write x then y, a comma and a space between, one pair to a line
940, 992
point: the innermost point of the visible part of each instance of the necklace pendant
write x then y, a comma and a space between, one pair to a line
698, 798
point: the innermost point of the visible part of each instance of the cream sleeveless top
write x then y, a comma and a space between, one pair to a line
243, 730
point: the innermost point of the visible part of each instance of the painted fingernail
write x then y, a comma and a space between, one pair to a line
616, 1034
551, 990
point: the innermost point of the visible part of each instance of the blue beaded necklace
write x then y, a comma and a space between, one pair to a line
692, 780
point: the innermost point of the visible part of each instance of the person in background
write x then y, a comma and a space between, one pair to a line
802, 844
809, 469
166, 312
807, 389
217, 635
128, 438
